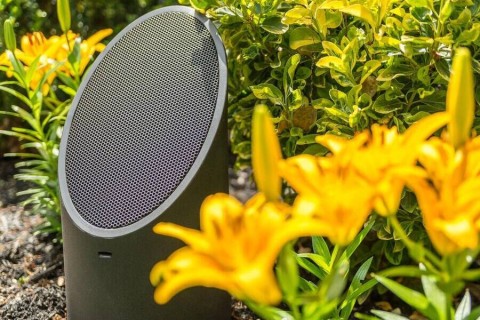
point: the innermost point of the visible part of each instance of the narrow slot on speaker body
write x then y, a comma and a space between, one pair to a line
104, 255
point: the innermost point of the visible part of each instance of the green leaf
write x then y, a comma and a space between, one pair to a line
74, 57
298, 15
316, 150
359, 276
251, 52
274, 25
268, 312
423, 75
16, 95
307, 139
202, 4
268, 91
367, 286
67, 80
384, 315
368, 68
303, 73
421, 3
27, 117
474, 315
437, 297
350, 249
320, 247
360, 11
333, 285
464, 308
443, 69
331, 49
18, 135
381, 105
303, 36
395, 71
467, 37
309, 266
295, 100
332, 4
331, 62
412, 297
287, 271
318, 260
289, 72
68, 90
362, 316
409, 202
32, 69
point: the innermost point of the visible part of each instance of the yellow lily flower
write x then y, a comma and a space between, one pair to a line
33, 46
52, 51
383, 157
449, 198
88, 48
235, 250
334, 201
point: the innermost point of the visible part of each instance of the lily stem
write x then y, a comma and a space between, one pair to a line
427, 258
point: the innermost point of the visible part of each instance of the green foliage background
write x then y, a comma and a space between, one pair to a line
88, 16
329, 66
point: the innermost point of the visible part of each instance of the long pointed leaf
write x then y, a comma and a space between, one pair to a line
360, 275
464, 308
436, 296
358, 239
412, 297
388, 315
320, 247
18, 135
17, 95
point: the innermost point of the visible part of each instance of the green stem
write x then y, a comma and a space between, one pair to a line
68, 43
336, 255
427, 258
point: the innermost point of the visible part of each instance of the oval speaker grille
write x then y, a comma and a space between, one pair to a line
141, 120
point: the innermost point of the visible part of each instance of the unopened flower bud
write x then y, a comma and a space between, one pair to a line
265, 154
460, 98
9, 35
63, 13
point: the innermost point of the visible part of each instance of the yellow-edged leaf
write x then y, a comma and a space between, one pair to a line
331, 62
361, 12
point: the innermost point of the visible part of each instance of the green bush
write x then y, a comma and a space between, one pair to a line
338, 66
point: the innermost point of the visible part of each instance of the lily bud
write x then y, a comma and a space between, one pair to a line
265, 154
460, 98
9, 35
63, 13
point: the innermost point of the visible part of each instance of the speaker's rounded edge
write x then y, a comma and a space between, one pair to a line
219, 113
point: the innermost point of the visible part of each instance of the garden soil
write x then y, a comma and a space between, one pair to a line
32, 283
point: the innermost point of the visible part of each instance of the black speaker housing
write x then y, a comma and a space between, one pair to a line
109, 252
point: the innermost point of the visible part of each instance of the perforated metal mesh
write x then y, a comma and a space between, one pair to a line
142, 119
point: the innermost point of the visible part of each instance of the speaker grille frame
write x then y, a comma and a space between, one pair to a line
218, 113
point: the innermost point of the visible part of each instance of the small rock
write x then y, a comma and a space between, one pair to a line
61, 281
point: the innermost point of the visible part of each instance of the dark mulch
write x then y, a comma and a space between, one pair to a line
32, 284
31, 272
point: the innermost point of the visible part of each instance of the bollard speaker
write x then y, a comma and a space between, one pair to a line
145, 141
